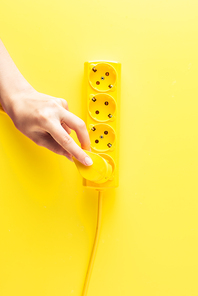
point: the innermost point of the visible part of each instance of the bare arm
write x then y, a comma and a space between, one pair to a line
44, 119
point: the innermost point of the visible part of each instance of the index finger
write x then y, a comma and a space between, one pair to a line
63, 138
79, 126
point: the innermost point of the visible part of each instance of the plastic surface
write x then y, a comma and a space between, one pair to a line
99, 172
102, 76
103, 137
102, 113
102, 107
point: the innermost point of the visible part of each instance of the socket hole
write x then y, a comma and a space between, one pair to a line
97, 82
94, 99
97, 112
96, 141
107, 73
106, 132
106, 103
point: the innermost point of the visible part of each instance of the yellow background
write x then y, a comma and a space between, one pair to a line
149, 240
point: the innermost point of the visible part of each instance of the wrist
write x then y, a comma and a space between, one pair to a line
12, 82
12, 96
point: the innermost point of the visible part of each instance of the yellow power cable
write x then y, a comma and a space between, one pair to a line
95, 245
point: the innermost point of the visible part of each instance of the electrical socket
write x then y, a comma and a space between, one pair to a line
102, 137
102, 76
102, 107
102, 84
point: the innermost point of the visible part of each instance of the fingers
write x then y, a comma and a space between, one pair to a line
58, 122
68, 130
70, 121
78, 126
63, 103
63, 139
46, 140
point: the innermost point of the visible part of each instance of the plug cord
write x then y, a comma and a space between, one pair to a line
95, 245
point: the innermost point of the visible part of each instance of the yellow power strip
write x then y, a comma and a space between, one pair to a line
102, 82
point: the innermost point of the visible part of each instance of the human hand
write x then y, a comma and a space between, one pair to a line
44, 119
47, 121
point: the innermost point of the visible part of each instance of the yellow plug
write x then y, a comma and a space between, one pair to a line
99, 172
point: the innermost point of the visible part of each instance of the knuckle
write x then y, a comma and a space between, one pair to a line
45, 114
57, 101
52, 103
61, 102
66, 104
66, 140
51, 106
41, 116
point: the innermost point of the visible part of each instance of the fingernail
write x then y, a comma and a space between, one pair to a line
88, 161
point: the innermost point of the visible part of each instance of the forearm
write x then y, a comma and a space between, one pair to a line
12, 82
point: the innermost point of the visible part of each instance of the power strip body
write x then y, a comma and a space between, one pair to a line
102, 114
